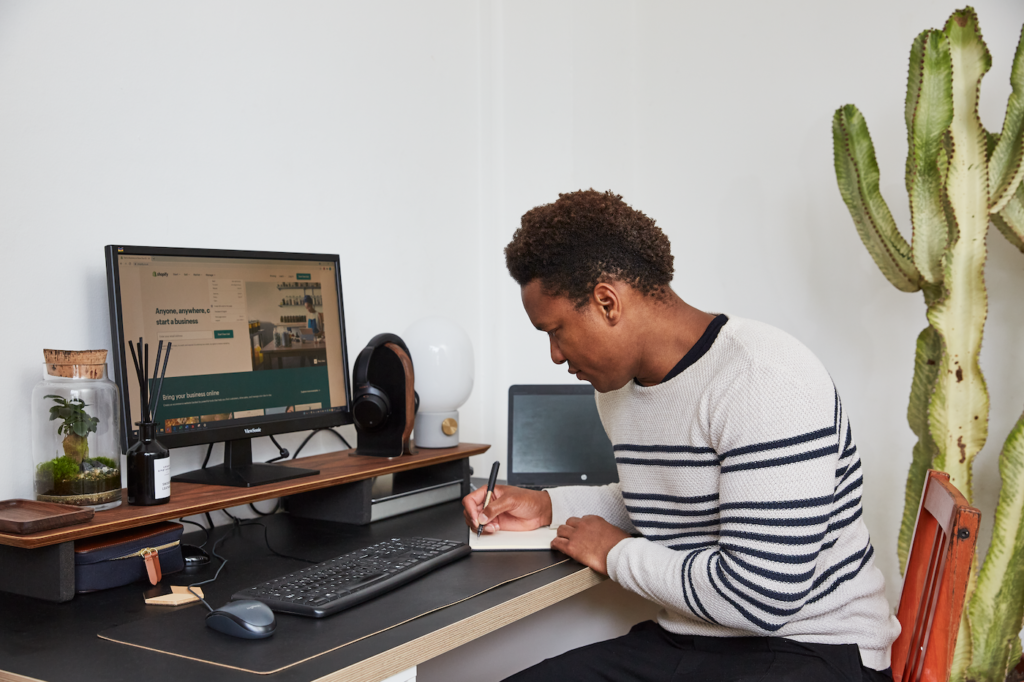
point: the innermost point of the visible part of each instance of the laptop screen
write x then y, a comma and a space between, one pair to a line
555, 437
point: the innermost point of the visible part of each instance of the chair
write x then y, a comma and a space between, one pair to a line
935, 583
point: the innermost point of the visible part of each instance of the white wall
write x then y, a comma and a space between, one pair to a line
715, 120
409, 137
340, 128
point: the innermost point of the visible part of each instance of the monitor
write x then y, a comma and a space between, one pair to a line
257, 348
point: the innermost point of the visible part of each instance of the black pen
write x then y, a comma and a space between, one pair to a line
490, 491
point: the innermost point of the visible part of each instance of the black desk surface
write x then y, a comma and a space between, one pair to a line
59, 642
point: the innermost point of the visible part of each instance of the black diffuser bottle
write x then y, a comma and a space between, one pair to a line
149, 462
149, 469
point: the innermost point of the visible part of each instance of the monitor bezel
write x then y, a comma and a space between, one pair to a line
267, 425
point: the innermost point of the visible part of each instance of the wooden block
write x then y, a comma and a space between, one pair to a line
179, 595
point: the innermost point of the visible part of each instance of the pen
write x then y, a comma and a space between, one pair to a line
490, 491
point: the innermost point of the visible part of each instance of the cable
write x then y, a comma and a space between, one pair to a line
207, 460
273, 511
223, 563
266, 541
238, 523
283, 451
283, 455
306, 440
201, 527
314, 432
338, 434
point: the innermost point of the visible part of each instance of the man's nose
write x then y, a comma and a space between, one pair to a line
556, 354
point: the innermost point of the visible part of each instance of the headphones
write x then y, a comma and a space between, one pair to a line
370, 405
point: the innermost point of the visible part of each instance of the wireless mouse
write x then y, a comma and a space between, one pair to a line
246, 618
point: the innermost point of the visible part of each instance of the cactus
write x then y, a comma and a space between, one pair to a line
958, 178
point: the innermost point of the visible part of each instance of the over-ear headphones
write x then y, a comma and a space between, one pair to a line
370, 405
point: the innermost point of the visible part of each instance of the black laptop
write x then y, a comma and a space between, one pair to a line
555, 437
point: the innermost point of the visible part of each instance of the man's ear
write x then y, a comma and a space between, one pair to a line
607, 300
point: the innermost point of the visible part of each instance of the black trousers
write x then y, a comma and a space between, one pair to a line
649, 653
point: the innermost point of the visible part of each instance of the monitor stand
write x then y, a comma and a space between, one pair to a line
239, 471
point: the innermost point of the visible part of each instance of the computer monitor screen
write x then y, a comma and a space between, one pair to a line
257, 343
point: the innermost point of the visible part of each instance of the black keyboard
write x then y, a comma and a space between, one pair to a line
342, 582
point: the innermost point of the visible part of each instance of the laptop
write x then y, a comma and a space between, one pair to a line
555, 437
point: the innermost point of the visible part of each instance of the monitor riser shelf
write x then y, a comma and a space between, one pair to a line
42, 564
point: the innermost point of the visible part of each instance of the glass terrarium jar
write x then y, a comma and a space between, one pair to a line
76, 439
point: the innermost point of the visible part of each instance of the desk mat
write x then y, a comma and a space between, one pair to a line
184, 633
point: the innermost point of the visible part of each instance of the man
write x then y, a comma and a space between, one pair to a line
739, 503
314, 320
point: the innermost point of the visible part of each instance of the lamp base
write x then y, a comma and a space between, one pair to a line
432, 429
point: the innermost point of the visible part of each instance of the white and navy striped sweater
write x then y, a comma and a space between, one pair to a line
741, 478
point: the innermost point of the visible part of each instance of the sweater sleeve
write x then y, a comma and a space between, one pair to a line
604, 501
778, 434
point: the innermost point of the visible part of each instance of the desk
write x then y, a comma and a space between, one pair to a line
59, 643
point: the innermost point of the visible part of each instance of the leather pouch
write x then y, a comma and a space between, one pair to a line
146, 553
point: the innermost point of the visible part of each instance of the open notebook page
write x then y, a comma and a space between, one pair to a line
539, 538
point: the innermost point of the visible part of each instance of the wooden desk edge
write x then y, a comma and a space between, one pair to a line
440, 641
336, 468
14, 677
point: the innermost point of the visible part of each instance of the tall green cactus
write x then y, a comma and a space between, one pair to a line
958, 178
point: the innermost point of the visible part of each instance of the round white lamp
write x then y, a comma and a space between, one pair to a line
442, 359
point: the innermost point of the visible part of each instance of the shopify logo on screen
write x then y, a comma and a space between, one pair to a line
159, 274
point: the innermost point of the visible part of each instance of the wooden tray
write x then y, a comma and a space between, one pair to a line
32, 516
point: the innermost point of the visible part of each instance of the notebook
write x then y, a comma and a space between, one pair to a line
506, 540
555, 437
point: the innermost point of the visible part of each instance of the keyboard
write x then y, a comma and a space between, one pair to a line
342, 582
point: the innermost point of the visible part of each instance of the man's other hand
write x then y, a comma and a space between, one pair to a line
510, 509
588, 541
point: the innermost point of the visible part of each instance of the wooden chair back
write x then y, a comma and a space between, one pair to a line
935, 583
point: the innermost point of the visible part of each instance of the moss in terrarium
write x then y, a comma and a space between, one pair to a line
62, 478
59, 468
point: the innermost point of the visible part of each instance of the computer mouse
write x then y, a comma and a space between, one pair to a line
246, 618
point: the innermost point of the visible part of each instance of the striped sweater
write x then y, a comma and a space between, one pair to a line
741, 482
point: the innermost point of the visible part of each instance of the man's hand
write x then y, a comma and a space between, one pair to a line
588, 541
510, 509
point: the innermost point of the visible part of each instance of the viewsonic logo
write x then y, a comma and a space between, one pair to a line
255, 430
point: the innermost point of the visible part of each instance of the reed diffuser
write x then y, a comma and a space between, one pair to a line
149, 462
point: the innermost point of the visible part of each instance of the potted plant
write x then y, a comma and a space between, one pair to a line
76, 443
75, 427
75, 476
959, 177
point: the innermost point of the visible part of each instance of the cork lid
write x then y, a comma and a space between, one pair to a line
76, 364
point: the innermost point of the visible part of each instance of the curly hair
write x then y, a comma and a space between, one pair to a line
587, 237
